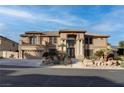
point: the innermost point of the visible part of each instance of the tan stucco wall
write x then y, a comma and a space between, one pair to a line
63, 35
45, 39
0, 42
25, 40
100, 42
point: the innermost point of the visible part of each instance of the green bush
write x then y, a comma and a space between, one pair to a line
52, 53
99, 53
1, 57
120, 58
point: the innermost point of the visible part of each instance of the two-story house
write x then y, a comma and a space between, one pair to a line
78, 43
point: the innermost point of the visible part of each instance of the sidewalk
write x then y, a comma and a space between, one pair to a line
21, 62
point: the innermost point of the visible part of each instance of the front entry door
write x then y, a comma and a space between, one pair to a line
71, 52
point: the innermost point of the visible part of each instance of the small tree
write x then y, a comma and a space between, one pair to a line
108, 54
62, 46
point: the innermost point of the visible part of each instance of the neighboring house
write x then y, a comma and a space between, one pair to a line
8, 48
78, 43
120, 51
116, 50
7, 44
113, 49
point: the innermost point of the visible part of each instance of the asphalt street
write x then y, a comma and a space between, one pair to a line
55, 77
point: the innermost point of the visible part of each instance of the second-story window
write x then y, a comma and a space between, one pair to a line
52, 40
88, 40
55, 39
33, 40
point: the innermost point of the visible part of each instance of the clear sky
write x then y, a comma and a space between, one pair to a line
109, 20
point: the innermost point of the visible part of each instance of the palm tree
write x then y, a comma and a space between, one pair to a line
62, 46
108, 53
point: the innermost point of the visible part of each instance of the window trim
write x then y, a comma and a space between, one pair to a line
33, 40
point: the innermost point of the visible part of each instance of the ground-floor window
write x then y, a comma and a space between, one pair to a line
71, 52
88, 53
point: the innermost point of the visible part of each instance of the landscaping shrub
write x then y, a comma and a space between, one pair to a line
45, 54
99, 53
120, 60
1, 57
93, 57
52, 53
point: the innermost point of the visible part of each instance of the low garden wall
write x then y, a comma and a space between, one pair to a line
9, 54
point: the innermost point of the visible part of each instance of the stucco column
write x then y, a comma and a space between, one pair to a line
82, 48
20, 52
80, 41
38, 40
64, 44
77, 47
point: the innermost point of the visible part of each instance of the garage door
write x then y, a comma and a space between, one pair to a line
33, 54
